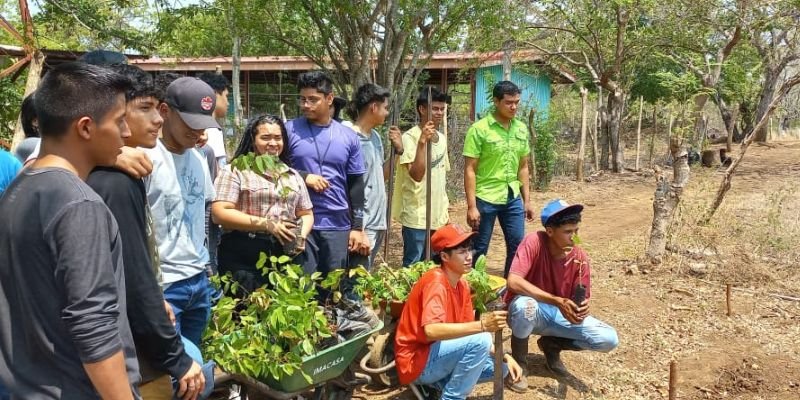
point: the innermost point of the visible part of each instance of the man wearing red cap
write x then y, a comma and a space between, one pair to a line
438, 341
549, 290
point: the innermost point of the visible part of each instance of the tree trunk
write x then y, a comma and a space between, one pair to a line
639, 130
699, 120
730, 126
237, 89
34, 76
725, 185
508, 48
582, 145
764, 100
653, 135
532, 127
617, 146
666, 199
602, 138
746, 112
670, 121
595, 131
729, 116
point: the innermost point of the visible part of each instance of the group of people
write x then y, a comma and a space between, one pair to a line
128, 204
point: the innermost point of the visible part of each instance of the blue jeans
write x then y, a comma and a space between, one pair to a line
330, 253
527, 316
414, 245
190, 302
512, 222
455, 366
208, 369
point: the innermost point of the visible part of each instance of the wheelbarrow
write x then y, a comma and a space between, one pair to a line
379, 362
327, 369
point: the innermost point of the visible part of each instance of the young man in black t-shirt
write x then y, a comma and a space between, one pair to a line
64, 331
159, 347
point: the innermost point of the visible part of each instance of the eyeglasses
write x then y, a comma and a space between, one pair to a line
312, 101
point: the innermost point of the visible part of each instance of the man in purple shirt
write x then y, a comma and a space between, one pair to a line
328, 154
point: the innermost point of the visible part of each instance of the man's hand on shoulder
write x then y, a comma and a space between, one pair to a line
134, 162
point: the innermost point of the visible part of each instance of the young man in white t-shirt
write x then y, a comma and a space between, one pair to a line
177, 191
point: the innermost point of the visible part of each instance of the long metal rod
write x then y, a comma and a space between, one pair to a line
428, 183
392, 160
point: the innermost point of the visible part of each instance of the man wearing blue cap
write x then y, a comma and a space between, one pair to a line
549, 291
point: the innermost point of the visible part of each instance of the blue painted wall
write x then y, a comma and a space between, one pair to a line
535, 90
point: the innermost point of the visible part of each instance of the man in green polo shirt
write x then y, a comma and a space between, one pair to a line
496, 180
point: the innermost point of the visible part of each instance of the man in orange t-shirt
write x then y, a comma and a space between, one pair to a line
438, 341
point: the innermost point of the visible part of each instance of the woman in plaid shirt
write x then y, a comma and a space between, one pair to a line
268, 212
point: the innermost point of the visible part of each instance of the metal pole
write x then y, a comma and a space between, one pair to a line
392, 159
428, 185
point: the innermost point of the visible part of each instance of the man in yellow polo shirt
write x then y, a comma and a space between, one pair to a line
496, 175
408, 199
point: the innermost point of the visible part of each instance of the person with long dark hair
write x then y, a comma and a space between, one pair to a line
269, 212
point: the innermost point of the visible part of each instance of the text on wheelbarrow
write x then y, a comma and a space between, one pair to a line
326, 366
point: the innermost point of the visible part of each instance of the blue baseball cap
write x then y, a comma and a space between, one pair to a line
557, 206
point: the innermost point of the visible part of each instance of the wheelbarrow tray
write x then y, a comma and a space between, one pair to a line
321, 367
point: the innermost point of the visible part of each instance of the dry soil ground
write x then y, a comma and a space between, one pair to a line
676, 311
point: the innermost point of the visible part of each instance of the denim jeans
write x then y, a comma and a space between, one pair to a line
376, 239
330, 253
414, 245
455, 366
527, 316
512, 222
190, 302
208, 369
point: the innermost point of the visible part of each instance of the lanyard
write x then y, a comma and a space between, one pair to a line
320, 157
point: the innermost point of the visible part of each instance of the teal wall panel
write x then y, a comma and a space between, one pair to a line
536, 90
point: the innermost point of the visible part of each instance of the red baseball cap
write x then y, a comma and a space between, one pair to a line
450, 236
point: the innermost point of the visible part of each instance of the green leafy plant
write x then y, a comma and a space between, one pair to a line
546, 153
386, 284
480, 285
269, 331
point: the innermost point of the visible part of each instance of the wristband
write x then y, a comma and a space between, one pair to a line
482, 328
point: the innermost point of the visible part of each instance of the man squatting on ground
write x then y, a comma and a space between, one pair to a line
542, 287
438, 341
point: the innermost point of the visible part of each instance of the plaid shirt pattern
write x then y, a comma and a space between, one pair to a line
259, 195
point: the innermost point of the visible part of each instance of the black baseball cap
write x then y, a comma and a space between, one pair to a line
194, 100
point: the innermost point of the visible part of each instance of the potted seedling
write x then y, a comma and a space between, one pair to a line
579, 295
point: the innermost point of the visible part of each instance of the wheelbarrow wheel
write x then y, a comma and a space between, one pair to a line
383, 353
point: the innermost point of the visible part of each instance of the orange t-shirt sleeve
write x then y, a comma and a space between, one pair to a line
434, 298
